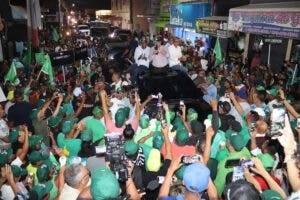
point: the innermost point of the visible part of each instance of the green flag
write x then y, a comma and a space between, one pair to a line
218, 52
27, 56
40, 58
47, 68
12, 73
55, 35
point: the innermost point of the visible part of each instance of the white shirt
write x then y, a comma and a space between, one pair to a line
174, 55
159, 60
69, 193
7, 192
139, 51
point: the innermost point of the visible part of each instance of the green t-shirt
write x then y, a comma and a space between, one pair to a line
97, 128
142, 133
71, 144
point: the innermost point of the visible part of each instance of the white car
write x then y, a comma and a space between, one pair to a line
84, 29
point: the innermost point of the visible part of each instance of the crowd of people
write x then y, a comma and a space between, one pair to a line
55, 134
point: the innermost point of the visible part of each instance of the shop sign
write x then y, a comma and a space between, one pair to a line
217, 28
281, 24
185, 15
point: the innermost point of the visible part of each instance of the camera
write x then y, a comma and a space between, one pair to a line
115, 154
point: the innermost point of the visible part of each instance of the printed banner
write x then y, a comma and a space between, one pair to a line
281, 24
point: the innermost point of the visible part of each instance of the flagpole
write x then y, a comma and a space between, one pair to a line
38, 77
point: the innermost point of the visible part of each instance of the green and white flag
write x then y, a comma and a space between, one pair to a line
40, 57
218, 52
47, 68
12, 73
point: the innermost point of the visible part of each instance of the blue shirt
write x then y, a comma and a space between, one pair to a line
211, 93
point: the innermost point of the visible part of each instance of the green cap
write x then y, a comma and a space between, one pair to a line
34, 114
179, 172
97, 111
67, 125
36, 156
130, 148
18, 171
19, 65
267, 160
273, 92
270, 195
127, 112
35, 140
192, 114
144, 121
104, 184
86, 135
42, 173
42, 189
158, 140
120, 117
13, 135
120, 90
260, 88
4, 156
182, 136
54, 121
237, 141
211, 79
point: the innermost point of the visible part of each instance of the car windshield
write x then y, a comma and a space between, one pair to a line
172, 85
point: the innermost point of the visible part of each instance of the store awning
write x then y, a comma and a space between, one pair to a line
214, 26
279, 19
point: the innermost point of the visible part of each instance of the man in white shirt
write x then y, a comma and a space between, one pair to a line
159, 55
142, 60
175, 56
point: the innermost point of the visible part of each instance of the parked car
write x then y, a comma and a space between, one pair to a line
101, 32
84, 29
121, 33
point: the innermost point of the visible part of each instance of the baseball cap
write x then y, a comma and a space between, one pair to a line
158, 140
179, 172
182, 136
13, 135
144, 121
192, 114
273, 92
43, 173
267, 160
97, 112
210, 79
67, 125
130, 148
42, 189
153, 163
270, 195
4, 156
36, 156
237, 141
18, 171
120, 90
260, 88
35, 140
196, 177
242, 93
120, 117
104, 184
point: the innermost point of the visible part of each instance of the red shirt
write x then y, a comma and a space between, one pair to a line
178, 151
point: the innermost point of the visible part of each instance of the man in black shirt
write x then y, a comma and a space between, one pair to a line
19, 113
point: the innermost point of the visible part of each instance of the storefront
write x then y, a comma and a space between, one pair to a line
271, 29
183, 18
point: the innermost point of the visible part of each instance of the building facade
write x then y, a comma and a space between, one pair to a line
121, 9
